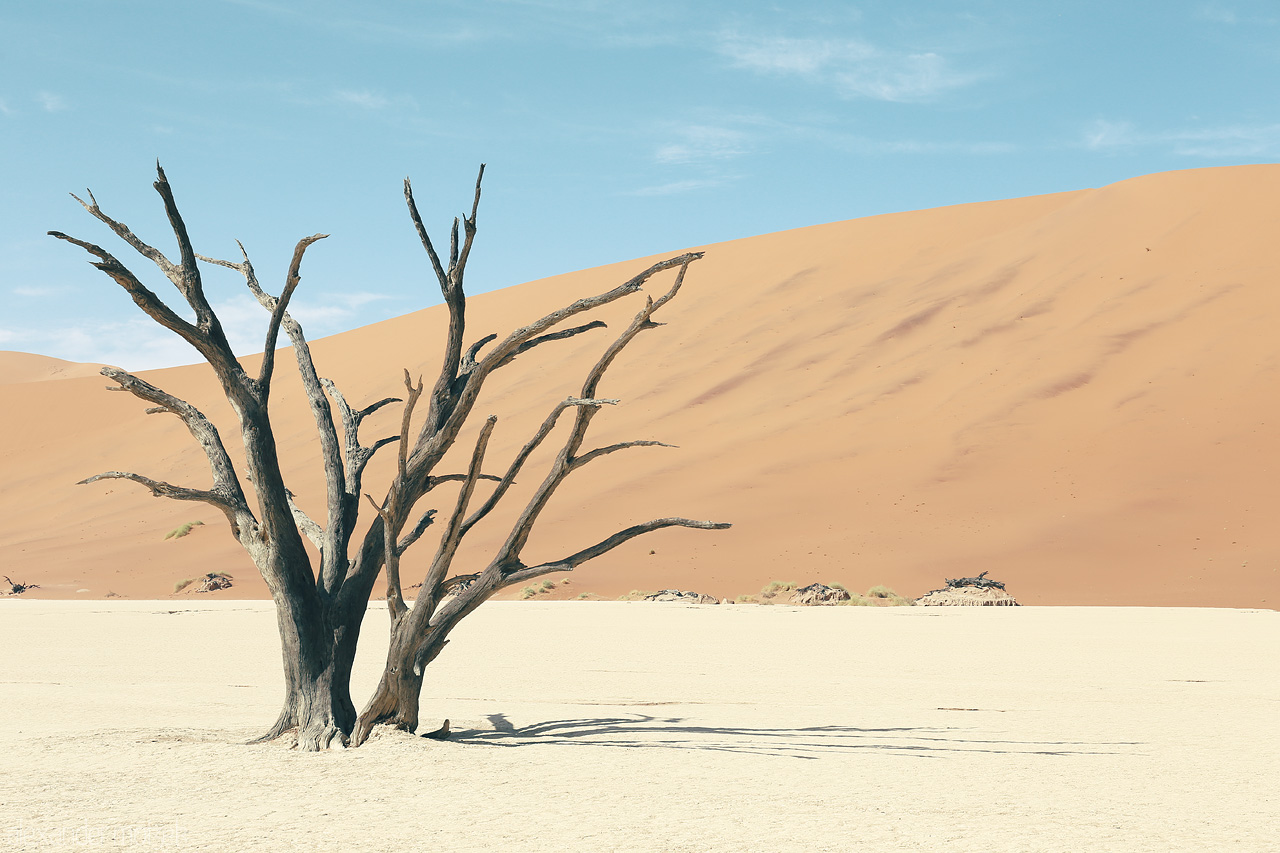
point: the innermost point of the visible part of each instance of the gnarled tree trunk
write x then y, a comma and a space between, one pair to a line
317, 676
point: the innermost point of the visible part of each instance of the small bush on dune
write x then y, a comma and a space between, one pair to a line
183, 529
183, 584
548, 585
528, 592
886, 596
776, 588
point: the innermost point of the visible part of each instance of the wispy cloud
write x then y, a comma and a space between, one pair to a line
361, 98
701, 143
364, 99
5, 109
38, 291
1216, 13
137, 343
854, 68
675, 187
50, 102
1224, 141
364, 28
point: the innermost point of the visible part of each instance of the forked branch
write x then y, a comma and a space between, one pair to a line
571, 562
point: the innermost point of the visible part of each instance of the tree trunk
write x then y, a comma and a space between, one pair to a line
318, 655
395, 701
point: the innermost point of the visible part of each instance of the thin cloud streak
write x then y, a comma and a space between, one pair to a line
700, 143
50, 102
138, 343
854, 68
676, 187
1210, 142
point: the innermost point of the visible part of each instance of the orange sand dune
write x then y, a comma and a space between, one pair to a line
25, 367
1076, 392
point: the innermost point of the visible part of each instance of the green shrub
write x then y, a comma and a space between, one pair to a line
886, 596
528, 592
183, 529
548, 585
183, 584
777, 588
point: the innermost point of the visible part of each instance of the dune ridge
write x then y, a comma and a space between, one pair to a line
1074, 392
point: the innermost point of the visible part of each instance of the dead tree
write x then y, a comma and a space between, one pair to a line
320, 609
16, 588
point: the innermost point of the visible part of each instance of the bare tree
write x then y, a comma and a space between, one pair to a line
320, 609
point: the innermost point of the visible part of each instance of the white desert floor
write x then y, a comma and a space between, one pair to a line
620, 726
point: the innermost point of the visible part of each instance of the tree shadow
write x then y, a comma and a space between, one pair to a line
639, 731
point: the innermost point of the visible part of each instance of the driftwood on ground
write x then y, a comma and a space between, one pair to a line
980, 582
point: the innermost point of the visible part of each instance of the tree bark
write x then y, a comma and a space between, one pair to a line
317, 672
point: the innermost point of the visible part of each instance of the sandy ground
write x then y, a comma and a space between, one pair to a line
616, 726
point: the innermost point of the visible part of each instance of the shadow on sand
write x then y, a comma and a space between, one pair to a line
639, 731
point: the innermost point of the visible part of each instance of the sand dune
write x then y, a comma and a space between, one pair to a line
1075, 392
18, 367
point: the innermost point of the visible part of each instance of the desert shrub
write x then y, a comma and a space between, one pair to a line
838, 586
886, 596
548, 585
183, 584
777, 588
528, 592
586, 596
183, 529
747, 599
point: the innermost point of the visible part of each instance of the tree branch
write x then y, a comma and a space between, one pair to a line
520, 458
418, 529
161, 489
453, 531
578, 461
509, 554
225, 482
151, 304
313, 531
574, 560
553, 336
124, 233
292, 280
395, 596
425, 238
187, 279
406, 420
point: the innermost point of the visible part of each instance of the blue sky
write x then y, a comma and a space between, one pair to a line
611, 130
